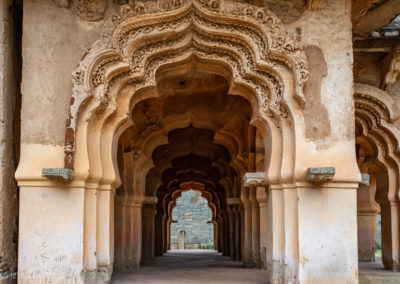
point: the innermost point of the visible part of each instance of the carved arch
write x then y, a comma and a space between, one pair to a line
377, 141
246, 44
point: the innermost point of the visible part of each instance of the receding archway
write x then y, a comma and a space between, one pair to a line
245, 45
377, 142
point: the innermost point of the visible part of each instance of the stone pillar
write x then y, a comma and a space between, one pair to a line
390, 235
220, 233
255, 227
90, 235
236, 211
367, 209
148, 231
276, 235
232, 230
182, 240
166, 230
291, 233
247, 256
330, 223
105, 233
121, 232
159, 234
135, 234
388, 200
43, 206
225, 223
215, 234
261, 195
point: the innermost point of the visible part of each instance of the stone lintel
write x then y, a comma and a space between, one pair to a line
58, 174
365, 178
320, 175
254, 179
233, 200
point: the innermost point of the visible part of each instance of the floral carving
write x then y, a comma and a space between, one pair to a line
89, 10
140, 39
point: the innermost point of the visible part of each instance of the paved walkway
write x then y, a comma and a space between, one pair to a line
191, 266
374, 273
209, 267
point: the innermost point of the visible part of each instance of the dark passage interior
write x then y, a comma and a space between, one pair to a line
191, 135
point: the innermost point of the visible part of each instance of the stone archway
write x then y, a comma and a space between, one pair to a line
377, 143
247, 46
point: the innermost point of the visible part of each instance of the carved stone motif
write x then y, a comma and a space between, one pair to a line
58, 174
89, 10
240, 35
254, 179
392, 70
320, 175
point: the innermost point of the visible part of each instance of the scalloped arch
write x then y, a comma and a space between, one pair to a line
250, 43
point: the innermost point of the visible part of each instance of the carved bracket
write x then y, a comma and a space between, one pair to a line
320, 175
58, 174
254, 179
365, 178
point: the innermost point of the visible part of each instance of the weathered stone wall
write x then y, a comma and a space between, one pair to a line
10, 13
192, 214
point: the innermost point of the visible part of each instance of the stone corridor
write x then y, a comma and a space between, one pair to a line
191, 266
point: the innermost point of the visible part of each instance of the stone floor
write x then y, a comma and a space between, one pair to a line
374, 273
191, 266
209, 266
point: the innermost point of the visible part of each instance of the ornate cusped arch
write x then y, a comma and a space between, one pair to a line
246, 44
377, 139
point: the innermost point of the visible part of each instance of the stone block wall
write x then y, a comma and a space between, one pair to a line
192, 215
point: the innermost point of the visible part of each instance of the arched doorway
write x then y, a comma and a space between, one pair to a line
377, 141
271, 209
131, 71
